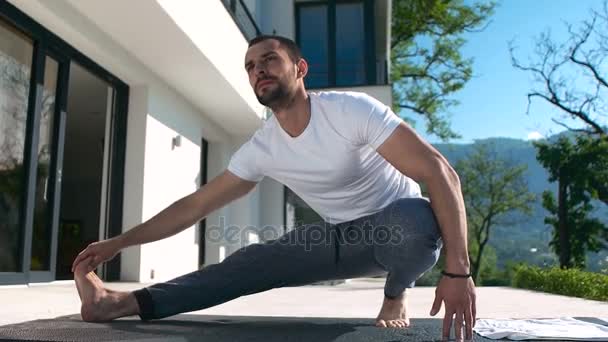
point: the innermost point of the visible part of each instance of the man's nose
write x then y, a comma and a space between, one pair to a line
260, 70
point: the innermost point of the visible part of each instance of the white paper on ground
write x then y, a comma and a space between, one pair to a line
566, 328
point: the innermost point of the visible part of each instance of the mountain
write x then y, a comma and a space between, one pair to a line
527, 240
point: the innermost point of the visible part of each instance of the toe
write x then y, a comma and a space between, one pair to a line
381, 323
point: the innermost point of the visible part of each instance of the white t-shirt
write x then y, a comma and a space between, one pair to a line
333, 165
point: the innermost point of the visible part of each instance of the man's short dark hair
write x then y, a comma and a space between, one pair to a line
293, 50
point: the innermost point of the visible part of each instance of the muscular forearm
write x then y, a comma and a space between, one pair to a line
448, 206
188, 210
172, 220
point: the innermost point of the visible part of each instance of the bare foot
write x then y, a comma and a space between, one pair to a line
98, 303
393, 313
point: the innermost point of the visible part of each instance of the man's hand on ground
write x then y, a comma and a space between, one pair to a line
97, 253
458, 294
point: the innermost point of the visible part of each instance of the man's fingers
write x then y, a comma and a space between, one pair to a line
83, 260
81, 256
458, 325
84, 251
468, 318
436, 305
474, 311
447, 323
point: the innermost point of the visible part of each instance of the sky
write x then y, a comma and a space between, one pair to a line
494, 102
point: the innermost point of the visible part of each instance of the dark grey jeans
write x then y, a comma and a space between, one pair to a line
401, 241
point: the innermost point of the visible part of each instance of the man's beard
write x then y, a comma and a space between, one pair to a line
274, 97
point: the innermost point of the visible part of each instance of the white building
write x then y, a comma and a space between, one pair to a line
112, 110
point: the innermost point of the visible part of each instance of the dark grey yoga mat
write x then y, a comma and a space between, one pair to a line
221, 328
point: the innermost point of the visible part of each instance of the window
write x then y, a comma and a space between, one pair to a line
16, 51
313, 40
350, 44
38, 82
337, 40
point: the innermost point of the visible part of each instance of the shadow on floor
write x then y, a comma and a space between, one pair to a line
221, 328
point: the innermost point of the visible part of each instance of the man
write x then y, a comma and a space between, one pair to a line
350, 158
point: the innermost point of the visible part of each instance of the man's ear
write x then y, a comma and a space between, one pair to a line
302, 67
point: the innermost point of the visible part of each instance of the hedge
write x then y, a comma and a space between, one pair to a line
568, 282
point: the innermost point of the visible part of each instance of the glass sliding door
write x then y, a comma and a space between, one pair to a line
63, 122
41, 246
86, 166
31, 125
16, 53
49, 160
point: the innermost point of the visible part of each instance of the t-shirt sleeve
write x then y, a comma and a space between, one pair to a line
244, 163
372, 121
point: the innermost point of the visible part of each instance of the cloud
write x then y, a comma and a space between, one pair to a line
535, 136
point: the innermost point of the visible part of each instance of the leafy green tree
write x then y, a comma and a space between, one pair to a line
593, 156
574, 232
493, 190
427, 66
487, 267
571, 76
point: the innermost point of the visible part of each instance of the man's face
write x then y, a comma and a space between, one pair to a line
272, 74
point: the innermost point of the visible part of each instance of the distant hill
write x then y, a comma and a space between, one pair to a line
528, 240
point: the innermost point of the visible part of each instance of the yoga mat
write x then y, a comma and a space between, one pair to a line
221, 328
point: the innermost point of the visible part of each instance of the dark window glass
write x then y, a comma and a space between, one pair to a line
41, 241
313, 39
16, 52
350, 44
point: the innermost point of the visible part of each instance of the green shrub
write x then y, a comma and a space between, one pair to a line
568, 282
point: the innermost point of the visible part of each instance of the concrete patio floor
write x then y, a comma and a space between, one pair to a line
357, 299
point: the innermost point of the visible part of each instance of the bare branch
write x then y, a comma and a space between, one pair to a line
591, 68
582, 40
580, 130
555, 101
551, 95
470, 30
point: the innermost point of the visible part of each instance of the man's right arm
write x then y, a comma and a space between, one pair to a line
180, 215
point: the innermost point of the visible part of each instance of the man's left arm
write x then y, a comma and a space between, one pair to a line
417, 159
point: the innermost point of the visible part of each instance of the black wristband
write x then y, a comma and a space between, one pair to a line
452, 275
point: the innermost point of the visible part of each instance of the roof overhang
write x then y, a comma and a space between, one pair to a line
195, 47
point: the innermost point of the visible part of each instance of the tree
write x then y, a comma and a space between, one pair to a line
494, 190
571, 76
593, 157
574, 232
427, 66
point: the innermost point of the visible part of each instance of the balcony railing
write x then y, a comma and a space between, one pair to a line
243, 18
